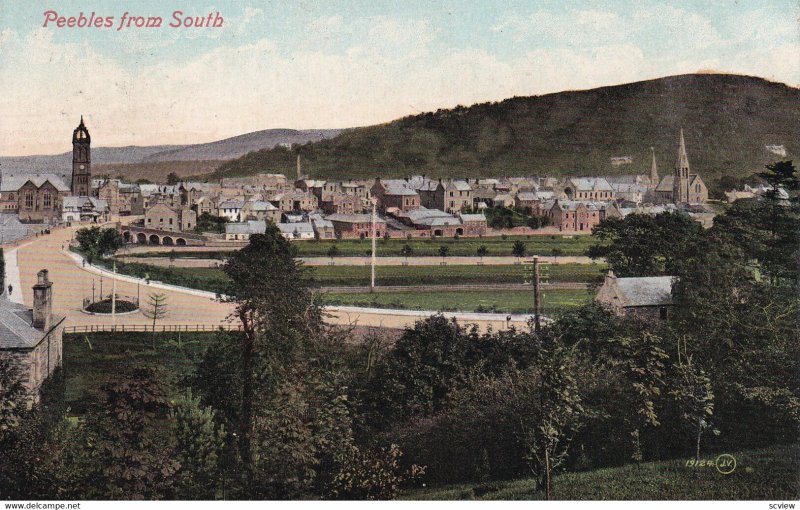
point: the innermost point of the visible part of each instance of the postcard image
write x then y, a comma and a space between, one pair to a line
399, 251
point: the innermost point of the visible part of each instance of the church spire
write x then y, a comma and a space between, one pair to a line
653, 168
680, 183
683, 160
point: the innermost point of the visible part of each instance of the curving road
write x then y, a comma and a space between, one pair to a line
72, 282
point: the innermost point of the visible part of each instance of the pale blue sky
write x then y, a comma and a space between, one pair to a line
307, 64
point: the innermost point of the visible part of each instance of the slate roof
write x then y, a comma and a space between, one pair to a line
246, 227
261, 205
80, 202
590, 184
291, 228
527, 196
459, 186
231, 204
16, 326
353, 218
473, 218
14, 182
417, 215
319, 223
646, 291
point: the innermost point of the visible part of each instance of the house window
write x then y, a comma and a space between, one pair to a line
662, 313
29, 199
47, 200
170, 221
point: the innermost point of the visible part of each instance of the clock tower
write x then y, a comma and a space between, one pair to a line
81, 161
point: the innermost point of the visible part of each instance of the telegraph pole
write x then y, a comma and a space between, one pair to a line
114, 298
537, 300
374, 230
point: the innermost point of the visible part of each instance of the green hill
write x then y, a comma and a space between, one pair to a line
727, 120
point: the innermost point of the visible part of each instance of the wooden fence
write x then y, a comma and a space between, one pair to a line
149, 328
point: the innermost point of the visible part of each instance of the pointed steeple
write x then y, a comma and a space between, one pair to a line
683, 160
680, 184
653, 169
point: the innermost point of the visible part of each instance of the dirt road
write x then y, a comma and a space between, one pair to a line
72, 282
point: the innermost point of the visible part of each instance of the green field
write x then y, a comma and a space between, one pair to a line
214, 279
453, 274
463, 247
93, 359
465, 301
764, 474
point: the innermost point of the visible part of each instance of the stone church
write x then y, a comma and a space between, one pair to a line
682, 187
39, 198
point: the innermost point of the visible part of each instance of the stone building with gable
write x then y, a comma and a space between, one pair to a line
32, 338
648, 298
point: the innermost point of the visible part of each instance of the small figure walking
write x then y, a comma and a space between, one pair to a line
10, 289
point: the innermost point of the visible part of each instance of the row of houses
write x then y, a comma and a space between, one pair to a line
419, 223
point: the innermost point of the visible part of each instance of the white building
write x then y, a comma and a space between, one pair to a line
84, 209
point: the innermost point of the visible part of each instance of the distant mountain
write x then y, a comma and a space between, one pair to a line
221, 150
237, 146
728, 121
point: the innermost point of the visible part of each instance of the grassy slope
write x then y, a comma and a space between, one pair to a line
727, 120
765, 474
91, 360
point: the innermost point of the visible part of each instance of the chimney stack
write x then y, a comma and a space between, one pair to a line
42, 301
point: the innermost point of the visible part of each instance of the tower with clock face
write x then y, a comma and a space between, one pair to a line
81, 161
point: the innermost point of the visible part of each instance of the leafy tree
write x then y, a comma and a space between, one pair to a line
278, 316
333, 251
641, 361
482, 251
209, 223
692, 392
371, 475
643, 245
407, 251
172, 178
97, 243
550, 409
519, 249
13, 396
200, 444
417, 375
443, 251
124, 448
766, 230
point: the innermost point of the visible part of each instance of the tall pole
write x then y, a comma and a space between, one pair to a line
537, 301
114, 297
374, 230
